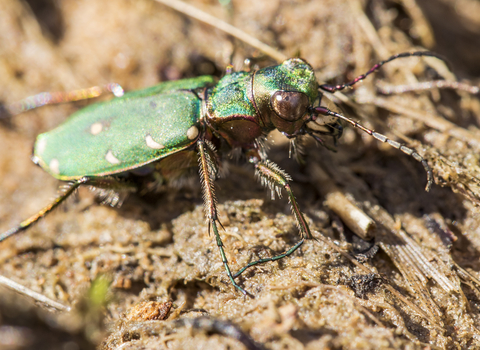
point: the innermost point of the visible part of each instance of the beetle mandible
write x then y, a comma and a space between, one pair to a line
187, 121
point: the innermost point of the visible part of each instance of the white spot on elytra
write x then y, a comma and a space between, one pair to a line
109, 157
54, 166
152, 143
192, 132
41, 144
96, 128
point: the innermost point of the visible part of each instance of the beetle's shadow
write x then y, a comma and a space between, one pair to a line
239, 183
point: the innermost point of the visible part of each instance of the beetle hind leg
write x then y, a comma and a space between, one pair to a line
64, 194
49, 98
103, 183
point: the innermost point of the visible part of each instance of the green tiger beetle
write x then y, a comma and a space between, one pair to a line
163, 130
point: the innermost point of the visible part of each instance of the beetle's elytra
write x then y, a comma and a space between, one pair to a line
132, 140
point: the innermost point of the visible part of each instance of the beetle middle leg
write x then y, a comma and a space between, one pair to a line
275, 178
207, 177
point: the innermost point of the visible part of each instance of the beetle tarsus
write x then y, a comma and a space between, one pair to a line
213, 224
277, 257
11, 232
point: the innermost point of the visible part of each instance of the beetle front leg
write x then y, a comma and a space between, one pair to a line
275, 178
207, 177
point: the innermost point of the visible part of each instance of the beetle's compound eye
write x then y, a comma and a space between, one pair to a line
290, 105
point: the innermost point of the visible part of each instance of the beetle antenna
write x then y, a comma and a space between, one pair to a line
333, 88
380, 137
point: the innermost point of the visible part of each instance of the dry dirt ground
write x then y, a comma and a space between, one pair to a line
117, 267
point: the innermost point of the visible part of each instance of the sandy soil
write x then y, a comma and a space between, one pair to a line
117, 267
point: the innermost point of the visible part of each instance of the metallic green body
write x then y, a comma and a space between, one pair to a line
124, 133
147, 125
161, 133
230, 96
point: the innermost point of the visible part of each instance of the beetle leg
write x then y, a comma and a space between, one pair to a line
49, 98
67, 191
207, 177
110, 190
274, 177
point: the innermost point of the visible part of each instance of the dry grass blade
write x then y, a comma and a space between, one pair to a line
420, 24
428, 85
356, 219
202, 16
49, 303
431, 120
416, 264
414, 272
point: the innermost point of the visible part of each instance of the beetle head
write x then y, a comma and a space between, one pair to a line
284, 94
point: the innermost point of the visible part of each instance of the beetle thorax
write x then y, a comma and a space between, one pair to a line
230, 112
246, 105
